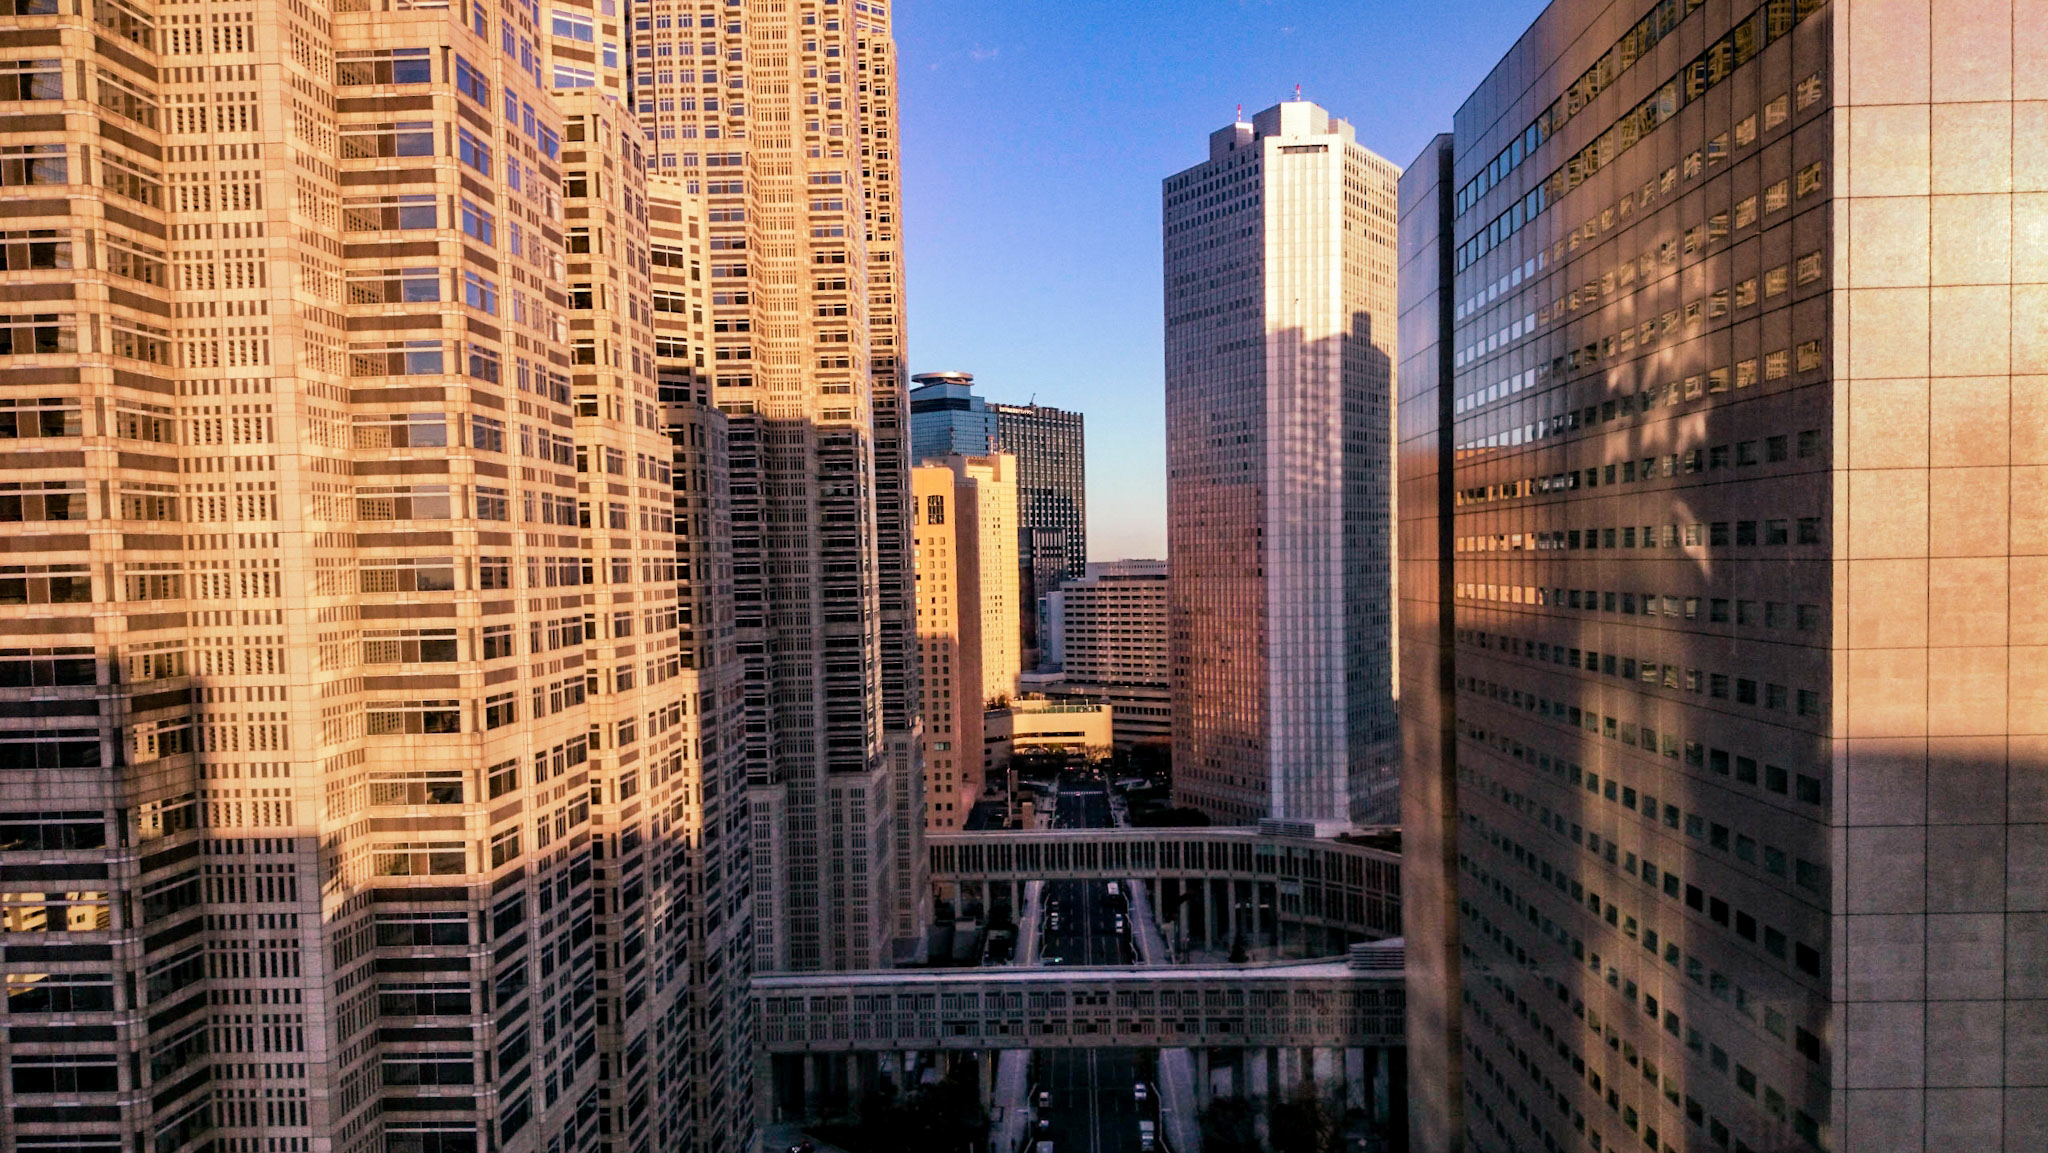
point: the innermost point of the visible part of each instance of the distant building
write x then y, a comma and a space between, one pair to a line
1107, 635
963, 536
1043, 726
1052, 506
946, 417
1279, 270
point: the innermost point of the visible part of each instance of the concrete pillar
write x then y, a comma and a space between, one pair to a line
1202, 1093
1323, 1066
809, 1063
1355, 1084
765, 1105
1260, 1091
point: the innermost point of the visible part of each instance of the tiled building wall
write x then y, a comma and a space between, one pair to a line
1940, 261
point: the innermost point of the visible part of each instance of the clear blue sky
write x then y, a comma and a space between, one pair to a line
1034, 139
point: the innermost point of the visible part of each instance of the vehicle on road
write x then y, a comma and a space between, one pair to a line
1140, 1093
1044, 1099
803, 1146
1113, 890
1148, 1137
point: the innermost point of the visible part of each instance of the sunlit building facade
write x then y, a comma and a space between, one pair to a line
1722, 669
1279, 273
354, 515
966, 617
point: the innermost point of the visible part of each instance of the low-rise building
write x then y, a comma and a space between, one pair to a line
1044, 726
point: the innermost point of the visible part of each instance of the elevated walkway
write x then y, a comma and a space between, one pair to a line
1300, 1004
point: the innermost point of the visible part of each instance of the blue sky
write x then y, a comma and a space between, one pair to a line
1034, 139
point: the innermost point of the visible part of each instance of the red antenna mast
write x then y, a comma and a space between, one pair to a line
1297, 92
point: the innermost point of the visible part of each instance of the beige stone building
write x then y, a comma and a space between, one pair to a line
964, 542
1724, 663
348, 663
1108, 638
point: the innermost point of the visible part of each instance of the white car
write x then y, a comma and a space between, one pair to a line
1139, 1093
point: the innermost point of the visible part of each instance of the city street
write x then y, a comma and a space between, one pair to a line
1093, 1110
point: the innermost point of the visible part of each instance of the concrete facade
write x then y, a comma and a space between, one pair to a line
1722, 412
1109, 641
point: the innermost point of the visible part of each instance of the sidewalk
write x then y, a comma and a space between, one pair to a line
1027, 924
1013, 1073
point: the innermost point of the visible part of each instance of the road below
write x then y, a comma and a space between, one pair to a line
1093, 1105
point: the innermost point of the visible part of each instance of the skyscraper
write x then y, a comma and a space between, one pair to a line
784, 118
347, 547
1723, 349
1279, 342
1052, 506
947, 417
967, 617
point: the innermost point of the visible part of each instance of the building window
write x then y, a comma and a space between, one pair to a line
388, 718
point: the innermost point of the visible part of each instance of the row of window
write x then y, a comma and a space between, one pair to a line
1696, 971
1741, 454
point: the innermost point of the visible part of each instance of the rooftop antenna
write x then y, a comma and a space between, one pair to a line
1240, 115
1297, 92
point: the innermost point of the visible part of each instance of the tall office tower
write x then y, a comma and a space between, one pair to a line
1052, 507
1110, 636
783, 118
946, 417
1725, 400
658, 730
1279, 342
967, 617
304, 685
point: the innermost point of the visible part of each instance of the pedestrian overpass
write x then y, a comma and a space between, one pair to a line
1276, 886
1318, 1004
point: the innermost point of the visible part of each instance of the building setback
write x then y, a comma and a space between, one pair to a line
1723, 673
1279, 292
783, 117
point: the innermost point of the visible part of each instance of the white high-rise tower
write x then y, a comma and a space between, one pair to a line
1279, 269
